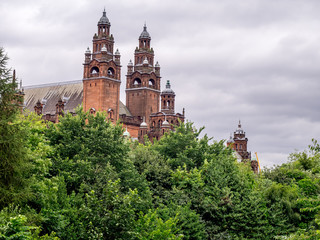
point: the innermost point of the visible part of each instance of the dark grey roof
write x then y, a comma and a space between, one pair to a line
104, 19
168, 89
124, 110
144, 33
49, 94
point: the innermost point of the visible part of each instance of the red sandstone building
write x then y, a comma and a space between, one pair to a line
239, 144
100, 89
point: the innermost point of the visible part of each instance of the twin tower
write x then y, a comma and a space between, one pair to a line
101, 86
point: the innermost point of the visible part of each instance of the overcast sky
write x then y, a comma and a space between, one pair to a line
253, 60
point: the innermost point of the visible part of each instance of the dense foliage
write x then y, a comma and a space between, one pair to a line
81, 179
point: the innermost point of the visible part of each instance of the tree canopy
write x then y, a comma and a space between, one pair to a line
81, 179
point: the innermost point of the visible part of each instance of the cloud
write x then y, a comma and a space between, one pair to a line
254, 60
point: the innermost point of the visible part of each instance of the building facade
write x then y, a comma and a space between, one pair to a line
239, 143
99, 90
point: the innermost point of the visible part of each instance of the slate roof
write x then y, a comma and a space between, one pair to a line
70, 92
104, 19
145, 33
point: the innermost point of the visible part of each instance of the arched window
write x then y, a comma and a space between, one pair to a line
168, 104
137, 82
110, 113
110, 71
94, 71
151, 82
92, 110
153, 124
159, 123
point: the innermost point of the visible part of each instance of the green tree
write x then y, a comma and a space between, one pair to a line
296, 188
151, 165
83, 145
14, 162
184, 146
152, 226
17, 229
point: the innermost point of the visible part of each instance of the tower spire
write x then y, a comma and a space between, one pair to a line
97, 78
168, 86
145, 34
143, 79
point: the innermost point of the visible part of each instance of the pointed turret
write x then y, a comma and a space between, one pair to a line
102, 72
143, 80
143, 130
104, 20
168, 99
144, 34
239, 143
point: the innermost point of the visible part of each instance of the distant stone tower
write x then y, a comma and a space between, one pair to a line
167, 99
143, 80
102, 72
239, 143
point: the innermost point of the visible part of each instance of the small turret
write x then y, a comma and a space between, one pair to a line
104, 25
230, 141
157, 69
130, 67
126, 134
165, 126
143, 130
167, 99
59, 107
14, 79
144, 125
38, 107
240, 143
87, 55
117, 57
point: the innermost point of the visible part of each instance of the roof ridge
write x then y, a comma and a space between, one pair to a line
52, 84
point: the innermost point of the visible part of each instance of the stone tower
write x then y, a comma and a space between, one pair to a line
167, 99
239, 143
143, 80
102, 72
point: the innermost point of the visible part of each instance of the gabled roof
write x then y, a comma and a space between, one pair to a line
70, 92
49, 95
124, 110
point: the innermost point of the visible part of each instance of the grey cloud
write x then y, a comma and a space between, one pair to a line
254, 60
